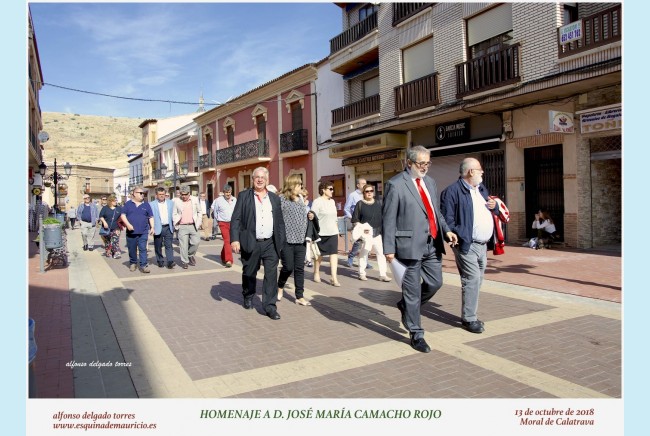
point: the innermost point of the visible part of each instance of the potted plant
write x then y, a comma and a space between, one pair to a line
52, 233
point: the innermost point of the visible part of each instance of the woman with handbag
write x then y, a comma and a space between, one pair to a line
367, 222
110, 230
296, 218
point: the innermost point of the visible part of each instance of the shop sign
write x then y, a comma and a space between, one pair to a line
561, 122
452, 133
376, 157
571, 32
602, 120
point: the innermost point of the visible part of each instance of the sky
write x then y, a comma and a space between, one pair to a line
171, 52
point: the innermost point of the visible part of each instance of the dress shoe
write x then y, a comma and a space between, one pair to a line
402, 310
363, 277
474, 326
183, 265
228, 264
420, 345
192, 261
91, 248
145, 270
384, 279
303, 302
85, 248
248, 303
133, 267
273, 315
170, 265
161, 264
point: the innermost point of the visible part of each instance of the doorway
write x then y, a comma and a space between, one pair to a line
544, 183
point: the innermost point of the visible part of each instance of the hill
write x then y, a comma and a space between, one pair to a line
90, 139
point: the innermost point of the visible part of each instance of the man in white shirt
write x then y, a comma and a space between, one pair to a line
222, 209
163, 210
206, 217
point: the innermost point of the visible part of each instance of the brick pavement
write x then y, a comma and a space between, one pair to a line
186, 335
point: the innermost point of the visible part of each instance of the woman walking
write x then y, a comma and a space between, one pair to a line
325, 210
293, 253
368, 212
109, 216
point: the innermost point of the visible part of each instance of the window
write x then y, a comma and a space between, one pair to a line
570, 13
230, 133
208, 144
261, 127
417, 60
490, 31
367, 11
371, 87
296, 116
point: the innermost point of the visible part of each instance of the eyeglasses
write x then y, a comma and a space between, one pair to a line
477, 169
423, 164
138, 192
86, 198
369, 191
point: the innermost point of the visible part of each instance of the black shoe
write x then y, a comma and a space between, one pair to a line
85, 248
420, 345
161, 264
91, 248
273, 315
474, 326
170, 265
402, 310
183, 265
192, 261
248, 303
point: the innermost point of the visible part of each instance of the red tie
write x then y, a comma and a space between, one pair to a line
432, 216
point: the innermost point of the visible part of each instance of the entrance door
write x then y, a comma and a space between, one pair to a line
544, 185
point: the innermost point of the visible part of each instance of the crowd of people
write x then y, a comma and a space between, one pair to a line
409, 229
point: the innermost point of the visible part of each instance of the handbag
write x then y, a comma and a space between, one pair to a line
105, 232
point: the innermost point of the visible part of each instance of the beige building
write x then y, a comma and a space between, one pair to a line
83, 179
34, 85
533, 90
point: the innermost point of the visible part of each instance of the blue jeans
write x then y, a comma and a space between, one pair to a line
137, 243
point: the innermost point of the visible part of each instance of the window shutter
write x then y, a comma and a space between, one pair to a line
418, 60
489, 24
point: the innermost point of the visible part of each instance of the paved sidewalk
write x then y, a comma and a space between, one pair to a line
184, 333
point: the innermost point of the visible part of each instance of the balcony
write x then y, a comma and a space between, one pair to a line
496, 69
135, 180
360, 109
243, 154
294, 143
403, 11
157, 174
596, 30
353, 34
206, 162
417, 94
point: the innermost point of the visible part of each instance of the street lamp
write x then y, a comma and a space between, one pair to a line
55, 177
176, 175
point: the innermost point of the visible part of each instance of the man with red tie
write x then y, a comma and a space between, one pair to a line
413, 231
468, 210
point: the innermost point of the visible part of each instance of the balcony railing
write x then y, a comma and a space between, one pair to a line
489, 71
294, 141
354, 33
402, 11
157, 174
597, 29
205, 161
135, 180
356, 110
417, 94
248, 150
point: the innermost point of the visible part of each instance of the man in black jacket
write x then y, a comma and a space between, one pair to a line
257, 230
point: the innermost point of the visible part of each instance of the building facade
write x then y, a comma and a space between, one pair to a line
273, 125
34, 147
533, 90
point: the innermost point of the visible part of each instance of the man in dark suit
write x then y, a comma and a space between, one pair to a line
257, 230
413, 231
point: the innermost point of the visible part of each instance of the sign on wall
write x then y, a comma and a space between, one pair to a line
560, 122
455, 132
571, 32
601, 120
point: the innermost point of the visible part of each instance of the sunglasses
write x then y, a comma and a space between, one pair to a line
370, 190
330, 189
138, 192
